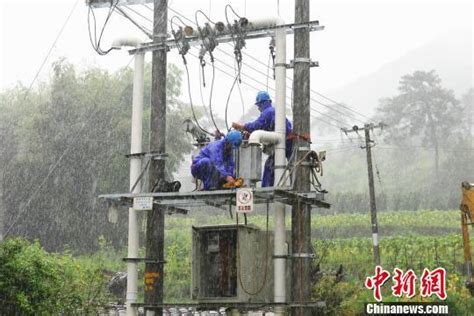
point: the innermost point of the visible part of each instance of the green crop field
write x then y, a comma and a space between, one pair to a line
409, 240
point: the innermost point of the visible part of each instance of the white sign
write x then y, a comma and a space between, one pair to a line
244, 200
143, 203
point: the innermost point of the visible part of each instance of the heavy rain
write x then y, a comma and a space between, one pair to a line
388, 157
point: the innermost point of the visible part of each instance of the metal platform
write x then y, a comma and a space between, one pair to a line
181, 202
247, 306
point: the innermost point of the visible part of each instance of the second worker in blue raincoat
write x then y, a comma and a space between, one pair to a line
266, 122
214, 165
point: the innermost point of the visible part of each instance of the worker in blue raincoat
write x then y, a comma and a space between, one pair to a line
214, 165
266, 122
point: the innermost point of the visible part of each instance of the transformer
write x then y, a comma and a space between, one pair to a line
250, 163
232, 264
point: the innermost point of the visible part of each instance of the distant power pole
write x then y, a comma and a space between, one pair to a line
155, 227
301, 213
373, 208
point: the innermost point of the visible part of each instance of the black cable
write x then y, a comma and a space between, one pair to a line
240, 94
210, 96
200, 11
176, 17
228, 6
191, 101
208, 49
202, 95
111, 10
227, 102
96, 43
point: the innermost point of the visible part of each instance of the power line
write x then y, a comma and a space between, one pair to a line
289, 78
273, 89
51, 49
94, 42
289, 87
287, 97
253, 87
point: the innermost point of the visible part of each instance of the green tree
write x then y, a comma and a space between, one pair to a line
34, 282
65, 145
467, 103
423, 113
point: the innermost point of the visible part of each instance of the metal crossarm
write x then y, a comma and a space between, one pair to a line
228, 37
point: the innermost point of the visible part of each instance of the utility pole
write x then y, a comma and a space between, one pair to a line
301, 213
373, 208
154, 278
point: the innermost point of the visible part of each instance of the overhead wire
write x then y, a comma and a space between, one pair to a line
209, 50
253, 87
204, 14
51, 49
240, 93
347, 107
266, 74
96, 42
290, 88
314, 91
321, 113
273, 89
191, 103
142, 28
228, 6
188, 82
228, 99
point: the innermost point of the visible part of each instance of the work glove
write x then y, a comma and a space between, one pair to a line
235, 183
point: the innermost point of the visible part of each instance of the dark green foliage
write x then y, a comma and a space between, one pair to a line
420, 158
34, 282
424, 113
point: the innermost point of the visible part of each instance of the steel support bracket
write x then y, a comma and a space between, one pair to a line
303, 60
280, 257
152, 154
304, 148
146, 260
282, 65
303, 255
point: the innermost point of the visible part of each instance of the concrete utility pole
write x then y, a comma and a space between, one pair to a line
154, 278
301, 214
373, 208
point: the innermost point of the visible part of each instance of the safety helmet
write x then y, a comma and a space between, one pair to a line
261, 97
234, 138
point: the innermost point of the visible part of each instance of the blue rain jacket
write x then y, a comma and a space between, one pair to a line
212, 164
266, 122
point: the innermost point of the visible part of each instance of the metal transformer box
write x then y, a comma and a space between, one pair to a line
232, 264
250, 163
